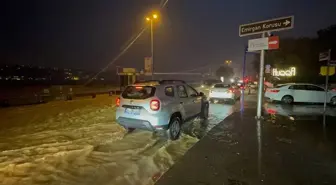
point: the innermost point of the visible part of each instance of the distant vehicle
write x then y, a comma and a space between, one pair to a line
209, 83
160, 106
252, 85
300, 92
224, 92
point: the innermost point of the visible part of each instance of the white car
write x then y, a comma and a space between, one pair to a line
160, 106
224, 92
300, 92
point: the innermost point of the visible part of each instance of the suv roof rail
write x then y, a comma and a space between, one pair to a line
160, 81
147, 81
172, 81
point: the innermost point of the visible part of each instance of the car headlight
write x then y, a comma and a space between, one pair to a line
202, 86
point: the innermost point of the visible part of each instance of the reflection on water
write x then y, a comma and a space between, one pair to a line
259, 139
299, 112
298, 140
199, 128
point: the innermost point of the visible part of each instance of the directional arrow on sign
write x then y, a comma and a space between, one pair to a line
271, 25
286, 22
263, 43
273, 42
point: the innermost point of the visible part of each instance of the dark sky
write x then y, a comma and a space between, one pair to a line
87, 34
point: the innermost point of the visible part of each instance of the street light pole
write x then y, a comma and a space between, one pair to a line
151, 19
152, 46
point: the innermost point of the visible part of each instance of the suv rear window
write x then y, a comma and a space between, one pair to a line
138, 92
169, 91
221, 86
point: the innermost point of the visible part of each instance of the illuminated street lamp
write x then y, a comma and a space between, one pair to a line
150, 19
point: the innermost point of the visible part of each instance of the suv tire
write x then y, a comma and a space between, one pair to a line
205, 111
333, 101
174, 129
232, 101
129, 130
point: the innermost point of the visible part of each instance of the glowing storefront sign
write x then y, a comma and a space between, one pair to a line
289, 72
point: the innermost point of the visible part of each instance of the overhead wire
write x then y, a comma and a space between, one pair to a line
162, 5
117, 57
198, 68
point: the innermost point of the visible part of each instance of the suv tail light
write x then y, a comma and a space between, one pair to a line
273, 90
230, 91
118, 102
155, 105
271, 111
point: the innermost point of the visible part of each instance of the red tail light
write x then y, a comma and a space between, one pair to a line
230, 90
118, 102
155, 105
271, 111
273, 90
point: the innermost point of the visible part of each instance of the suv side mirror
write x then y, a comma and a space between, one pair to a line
201, 94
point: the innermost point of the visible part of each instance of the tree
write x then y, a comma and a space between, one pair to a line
301, 53
225, 71
327, 39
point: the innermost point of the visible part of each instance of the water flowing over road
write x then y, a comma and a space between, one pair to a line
78, 143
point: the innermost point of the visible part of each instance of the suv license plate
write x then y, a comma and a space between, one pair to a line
132, 111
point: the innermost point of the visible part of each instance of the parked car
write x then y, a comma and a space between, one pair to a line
224, 92
160, 106
300, 92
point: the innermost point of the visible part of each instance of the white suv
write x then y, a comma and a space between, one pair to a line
160, 106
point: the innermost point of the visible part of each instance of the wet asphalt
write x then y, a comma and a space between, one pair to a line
292, 145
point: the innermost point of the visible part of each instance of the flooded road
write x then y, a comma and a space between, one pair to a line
78, 143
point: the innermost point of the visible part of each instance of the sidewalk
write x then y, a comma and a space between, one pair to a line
276, 151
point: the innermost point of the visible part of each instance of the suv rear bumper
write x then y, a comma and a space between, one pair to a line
139, 124
221, 98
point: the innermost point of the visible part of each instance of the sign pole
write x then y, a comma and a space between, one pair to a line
261, 81
326, 82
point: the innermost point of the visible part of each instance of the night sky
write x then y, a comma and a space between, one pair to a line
88, 34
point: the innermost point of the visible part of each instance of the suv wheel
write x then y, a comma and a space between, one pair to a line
205, 111
129, 130
174, 129
232, 101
